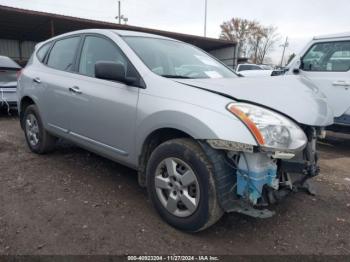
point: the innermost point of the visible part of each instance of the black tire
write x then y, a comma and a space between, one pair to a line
46, 142
208, 210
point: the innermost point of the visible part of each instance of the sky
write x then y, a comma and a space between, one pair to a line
300, 20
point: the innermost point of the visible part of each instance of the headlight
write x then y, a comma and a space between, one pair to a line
271, 130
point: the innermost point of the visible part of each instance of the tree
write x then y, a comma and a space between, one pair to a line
268, 60
267, 43
238, 30
257, 34
254, 40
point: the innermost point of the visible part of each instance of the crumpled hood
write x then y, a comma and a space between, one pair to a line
293, 96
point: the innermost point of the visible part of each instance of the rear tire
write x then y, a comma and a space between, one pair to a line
38, 139
181, 185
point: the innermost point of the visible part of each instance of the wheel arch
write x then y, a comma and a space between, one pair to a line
152, 141
24, 103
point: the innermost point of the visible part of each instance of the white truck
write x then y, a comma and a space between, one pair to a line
326, 62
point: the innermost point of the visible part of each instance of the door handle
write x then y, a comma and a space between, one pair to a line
341, 83
75, 89
37, 80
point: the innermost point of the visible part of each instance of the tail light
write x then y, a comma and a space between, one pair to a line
19, 72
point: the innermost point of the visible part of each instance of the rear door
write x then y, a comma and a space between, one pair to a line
103, 113
56, 79
327, 64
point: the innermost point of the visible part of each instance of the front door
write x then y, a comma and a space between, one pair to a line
103, 113
327, 64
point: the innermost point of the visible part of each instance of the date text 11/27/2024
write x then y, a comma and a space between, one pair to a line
173, 258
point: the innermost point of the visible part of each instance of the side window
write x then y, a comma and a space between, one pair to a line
43, 51
97, 49
63, 53
328, 57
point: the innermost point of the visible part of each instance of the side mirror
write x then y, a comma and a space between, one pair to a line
298, 66
112, 71
296, 71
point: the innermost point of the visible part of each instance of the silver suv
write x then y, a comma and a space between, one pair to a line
204, 141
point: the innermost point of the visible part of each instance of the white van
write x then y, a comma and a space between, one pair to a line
326, 61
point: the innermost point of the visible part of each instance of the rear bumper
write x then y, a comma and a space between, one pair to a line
340, 128
8, 96
342, 120
341, 124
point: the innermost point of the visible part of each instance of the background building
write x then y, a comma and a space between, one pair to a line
21, 29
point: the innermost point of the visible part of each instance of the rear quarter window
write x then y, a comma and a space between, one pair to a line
62, 54
41, 53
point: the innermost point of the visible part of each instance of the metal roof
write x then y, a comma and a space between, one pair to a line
136, 33
341, 35
29, 25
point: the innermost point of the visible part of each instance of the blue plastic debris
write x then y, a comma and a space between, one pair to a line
254, 172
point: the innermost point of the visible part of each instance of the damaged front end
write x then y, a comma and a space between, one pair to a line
261, 179
282, 162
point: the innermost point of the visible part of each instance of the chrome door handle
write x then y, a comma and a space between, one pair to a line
341, 83
75, 89
37, 80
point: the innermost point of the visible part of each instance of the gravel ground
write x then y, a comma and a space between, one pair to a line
74, 202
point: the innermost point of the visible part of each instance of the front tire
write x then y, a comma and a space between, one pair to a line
38, 139
181, 185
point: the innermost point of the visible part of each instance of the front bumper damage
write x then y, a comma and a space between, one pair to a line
262, 180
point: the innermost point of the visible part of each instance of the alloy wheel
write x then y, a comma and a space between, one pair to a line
32, 129
177, 187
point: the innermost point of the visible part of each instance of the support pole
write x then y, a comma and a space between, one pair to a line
284, 50
119, 13
52, 28
20, 50
205, 17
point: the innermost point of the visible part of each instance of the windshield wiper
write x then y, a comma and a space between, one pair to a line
176, 76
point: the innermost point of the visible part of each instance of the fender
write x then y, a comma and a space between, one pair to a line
198, 122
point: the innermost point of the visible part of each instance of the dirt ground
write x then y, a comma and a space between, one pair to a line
74, 202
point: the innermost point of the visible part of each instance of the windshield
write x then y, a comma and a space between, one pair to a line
248, 68
266, 67
175, 59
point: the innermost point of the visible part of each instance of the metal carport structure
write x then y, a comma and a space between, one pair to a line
21, 29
